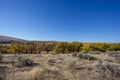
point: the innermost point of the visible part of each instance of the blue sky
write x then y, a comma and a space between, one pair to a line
61, 20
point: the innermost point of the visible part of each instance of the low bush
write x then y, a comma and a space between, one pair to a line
94, 52
85, 56
46, 74
108, 71
51, 61
73, 67
21, 61
74, 54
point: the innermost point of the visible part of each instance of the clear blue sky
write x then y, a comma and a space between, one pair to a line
61, 20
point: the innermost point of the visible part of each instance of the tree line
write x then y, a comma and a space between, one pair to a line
61, 47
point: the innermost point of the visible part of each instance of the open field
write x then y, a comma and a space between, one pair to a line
77, 66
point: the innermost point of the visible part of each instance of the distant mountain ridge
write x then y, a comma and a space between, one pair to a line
7, 39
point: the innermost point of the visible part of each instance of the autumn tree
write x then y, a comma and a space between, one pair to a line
31, 47
61, 47
113, 47
74, 47
99, 47
87, 47
3, 49
15, 47
47, 47
77, 46
69, 48
39, 48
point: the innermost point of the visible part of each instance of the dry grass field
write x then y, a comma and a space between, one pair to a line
76, 66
